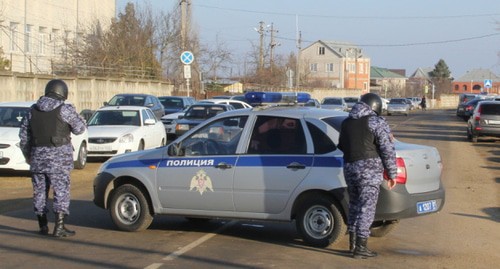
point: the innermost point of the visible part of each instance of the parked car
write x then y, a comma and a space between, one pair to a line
465, 110
267, 163
350, 101
173, 104
485, 121
235, 103
11, 157
398, 106
198, 113
465, 97
415, 102
169, 121
334, 103
133, 99
121, 129
313, 102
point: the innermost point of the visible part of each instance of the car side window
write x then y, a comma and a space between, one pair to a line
322, 143
277, 135
220, 137
150, 114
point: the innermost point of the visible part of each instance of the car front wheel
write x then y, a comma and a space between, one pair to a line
129, 209
81, 160
320, 222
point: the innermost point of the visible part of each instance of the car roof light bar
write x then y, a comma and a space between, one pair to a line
276, 98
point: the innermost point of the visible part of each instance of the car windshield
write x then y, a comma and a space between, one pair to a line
203, 112
171, 102
115, 117
351, 99
397, 101
126, 100
12, 116
332, 102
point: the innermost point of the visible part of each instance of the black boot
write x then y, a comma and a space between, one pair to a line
352, 241
361, 251
59, 229
42, 223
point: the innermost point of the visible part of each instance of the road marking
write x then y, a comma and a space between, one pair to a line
174, 255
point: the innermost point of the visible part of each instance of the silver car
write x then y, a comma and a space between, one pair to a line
334, 103
398, 106
277, 163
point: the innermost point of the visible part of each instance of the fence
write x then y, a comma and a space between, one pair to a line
84, 93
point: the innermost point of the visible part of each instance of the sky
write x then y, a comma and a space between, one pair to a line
394, 34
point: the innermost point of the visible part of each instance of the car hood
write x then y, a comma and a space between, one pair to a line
110, 131
9, 133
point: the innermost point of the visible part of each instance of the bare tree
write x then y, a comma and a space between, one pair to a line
216, 59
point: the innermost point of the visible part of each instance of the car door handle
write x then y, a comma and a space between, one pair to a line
223, 166
295, 166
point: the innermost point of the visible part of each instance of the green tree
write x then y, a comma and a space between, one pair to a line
441, 77
4, 63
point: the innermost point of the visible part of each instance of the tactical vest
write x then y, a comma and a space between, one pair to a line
48, 128
357, 141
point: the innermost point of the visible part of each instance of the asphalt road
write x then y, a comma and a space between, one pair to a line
465, 234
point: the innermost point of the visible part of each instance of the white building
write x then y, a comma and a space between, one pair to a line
33, 31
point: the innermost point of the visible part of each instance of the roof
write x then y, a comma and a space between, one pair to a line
379, 72
478, 75
341, 48
422, 72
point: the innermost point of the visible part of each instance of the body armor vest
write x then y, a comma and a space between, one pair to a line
48, 128
357, 141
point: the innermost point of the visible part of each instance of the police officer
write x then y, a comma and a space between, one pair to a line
45, 135
368, 148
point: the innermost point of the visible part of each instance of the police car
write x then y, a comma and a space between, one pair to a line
274, 163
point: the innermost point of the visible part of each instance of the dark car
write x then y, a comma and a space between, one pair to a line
465, 110
485, 121
198, 113
173, 104
137, 99
350, 101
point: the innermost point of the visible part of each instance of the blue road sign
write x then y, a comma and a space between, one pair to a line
187, 57
487, 83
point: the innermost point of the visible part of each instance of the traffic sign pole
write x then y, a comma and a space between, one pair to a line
187, 58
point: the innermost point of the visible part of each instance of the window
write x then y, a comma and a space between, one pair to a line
27, 39
322, 143
329, 67
277, 135
220, 137
42, 39
321, 50
13, 36
54, 40
313, 67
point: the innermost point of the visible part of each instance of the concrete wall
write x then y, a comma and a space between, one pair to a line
84, 93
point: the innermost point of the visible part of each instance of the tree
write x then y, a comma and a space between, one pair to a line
441, 77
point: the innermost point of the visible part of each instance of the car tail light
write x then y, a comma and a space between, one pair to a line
477, 118
469, 108
401, 172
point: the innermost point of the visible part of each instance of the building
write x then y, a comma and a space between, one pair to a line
333, 64
34, 32
420, 83
474, 82
387, 83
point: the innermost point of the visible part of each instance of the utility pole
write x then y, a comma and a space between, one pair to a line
299, 47
272, 45
184, 22
261, 48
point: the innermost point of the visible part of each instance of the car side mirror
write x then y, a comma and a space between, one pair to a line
175, 150
181, 117
105, 103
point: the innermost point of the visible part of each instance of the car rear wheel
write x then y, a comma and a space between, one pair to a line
382, 228
81, 161
320, 222
129, 209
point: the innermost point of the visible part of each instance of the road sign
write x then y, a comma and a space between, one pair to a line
487, 83
187, 71
187, 57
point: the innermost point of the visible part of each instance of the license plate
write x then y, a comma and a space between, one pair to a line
99, 148
426, 207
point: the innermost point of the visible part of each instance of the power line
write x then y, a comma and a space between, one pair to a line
355, 17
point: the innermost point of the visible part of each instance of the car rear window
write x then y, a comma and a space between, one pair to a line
490, 109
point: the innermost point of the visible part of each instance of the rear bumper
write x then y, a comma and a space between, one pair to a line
398, 204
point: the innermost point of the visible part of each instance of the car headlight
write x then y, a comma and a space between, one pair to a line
182, 127
128, 138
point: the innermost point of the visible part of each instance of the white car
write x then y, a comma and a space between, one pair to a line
235, 103
334, 103
11, 157
120, 129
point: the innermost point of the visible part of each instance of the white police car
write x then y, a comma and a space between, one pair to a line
276, 163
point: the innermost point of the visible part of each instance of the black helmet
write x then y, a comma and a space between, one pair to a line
373, 101
57, 89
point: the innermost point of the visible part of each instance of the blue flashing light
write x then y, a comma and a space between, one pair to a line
260, 98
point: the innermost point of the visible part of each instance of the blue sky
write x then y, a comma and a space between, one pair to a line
398, 34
